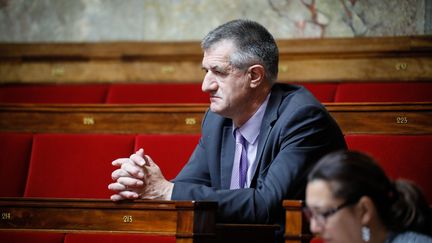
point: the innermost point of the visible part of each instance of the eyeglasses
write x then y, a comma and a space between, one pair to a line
321, 218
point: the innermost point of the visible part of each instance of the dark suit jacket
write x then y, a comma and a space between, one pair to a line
296, 131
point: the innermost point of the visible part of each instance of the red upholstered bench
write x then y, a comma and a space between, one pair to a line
190, 93
15, 149
30, 237
384, 92
324, 92
169, 152
79, 165
164, 93
53, 93
401, 156
117, 238
156, 93
74, 165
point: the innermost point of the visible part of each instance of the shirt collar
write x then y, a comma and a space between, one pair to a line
251, 129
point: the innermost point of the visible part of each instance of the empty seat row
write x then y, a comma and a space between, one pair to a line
103, 93
139, 93
79, 165
44, 237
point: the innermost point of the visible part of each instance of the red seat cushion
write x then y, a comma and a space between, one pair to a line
54, 93
15, 149
157, 93
324, 92
316, 240
384, 92
30, 237
169, 152
401, 156
117, 238
74, 165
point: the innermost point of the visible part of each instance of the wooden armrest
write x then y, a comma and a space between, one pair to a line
296, 226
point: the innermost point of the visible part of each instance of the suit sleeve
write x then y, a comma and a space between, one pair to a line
296, 141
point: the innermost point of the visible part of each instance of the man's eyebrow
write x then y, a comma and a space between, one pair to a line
217, 68
220, 68
214, 67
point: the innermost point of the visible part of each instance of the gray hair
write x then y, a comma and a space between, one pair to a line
254, 44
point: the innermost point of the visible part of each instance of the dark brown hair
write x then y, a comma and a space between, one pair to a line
400, 204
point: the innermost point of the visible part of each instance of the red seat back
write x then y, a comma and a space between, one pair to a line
324, 92
15, 149
169, 152
33, 237
384, 92
401, 156
118, 238
74, 165
157, 93
53, 93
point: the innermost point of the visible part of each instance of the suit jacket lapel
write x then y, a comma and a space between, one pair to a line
270, 116
227, 156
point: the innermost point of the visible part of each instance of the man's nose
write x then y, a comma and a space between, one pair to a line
209, 83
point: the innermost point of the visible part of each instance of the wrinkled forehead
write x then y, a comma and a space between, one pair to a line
218, 54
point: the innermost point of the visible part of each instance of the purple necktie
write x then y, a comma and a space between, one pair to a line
243, 162
240, 166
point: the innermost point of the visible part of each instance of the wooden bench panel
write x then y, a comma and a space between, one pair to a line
188, 221
383, 118
102, 118
365, 118
318, 60
357, 69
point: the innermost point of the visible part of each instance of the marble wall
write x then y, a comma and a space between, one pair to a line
179, 20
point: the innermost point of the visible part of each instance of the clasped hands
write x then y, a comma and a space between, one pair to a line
139, 178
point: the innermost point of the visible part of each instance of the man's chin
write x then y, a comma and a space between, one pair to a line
216, 109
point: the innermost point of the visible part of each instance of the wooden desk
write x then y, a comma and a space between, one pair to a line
353, 118
188, 221
401, 58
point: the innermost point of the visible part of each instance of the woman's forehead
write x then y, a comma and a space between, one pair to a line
319, 194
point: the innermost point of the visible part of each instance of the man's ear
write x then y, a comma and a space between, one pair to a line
256, 75
366, 210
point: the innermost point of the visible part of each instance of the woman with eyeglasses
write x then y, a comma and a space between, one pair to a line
349, 198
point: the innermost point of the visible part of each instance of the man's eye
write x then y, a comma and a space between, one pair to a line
219, 72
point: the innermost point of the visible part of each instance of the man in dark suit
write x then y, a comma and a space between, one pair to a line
259, 139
